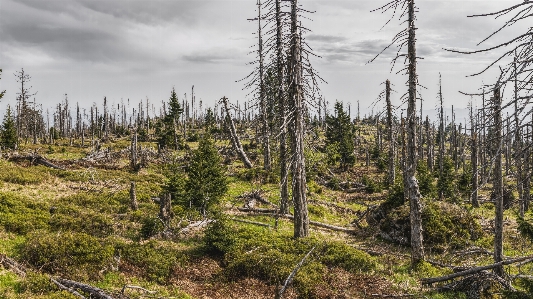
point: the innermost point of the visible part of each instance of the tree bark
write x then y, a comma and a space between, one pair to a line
133, 197
474, 159
392, 168
237, 146
284, 190
265, 130
498, 182
417, 247
296, 97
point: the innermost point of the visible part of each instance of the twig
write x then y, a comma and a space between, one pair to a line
293, 273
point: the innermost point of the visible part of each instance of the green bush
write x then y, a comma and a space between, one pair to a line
37, 283
14, 174
150, 227
154, 261
20, 216
372, 185
269, 256
445, 225
77, 220
66, 253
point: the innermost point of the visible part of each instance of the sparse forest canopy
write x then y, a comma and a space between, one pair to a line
278, 195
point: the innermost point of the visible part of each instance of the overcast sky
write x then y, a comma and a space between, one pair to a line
134, 49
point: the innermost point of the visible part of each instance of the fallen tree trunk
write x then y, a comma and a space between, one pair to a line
12, 265
257, 210
234, 137
36, 159
64, 288
93, 291
475, 270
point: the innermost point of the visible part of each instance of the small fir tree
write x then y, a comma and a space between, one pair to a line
340, 130
168, 135
206, 181
9, 132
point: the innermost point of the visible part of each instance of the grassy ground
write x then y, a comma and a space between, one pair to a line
77, 224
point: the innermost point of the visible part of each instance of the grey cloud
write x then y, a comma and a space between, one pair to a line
147, 12
325, 38
213, 56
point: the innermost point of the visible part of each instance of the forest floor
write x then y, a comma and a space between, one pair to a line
76, 224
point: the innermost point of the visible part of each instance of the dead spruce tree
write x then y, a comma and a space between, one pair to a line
257, 83
296, 128
406, 37
237, 146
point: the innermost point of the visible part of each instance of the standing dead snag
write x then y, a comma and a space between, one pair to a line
284, 190
237, 146
498, 181
297, 127
474, 159
165, 209
392, 168
407, 38
133, 197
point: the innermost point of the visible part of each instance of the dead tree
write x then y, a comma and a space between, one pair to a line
441, 137
237, 146
165, 210
296, 128
133, 197
474, 159
406, 38
498, 181
392, 168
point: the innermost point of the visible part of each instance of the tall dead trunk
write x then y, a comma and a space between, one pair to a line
518, 151
417, 247
133, 197
430, 142
441, 137
392, 168
498, 182
296, 98
265, 130
133, 151
283, 163
165, 209
474, 159
237, 146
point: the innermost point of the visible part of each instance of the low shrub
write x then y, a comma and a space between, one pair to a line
19, 215
152, 260
445, 225
75, 253
270, 256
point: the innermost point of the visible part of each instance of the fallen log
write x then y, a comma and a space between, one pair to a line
237, 146
64, 288
279, 294
93, 291
12, 265
475, 270
36, 159
257, 210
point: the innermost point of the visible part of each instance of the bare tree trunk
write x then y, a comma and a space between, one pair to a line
237, 146
265, 130
430, 142
498, 182
133, 150
417, 247
301, 217
392, 168
441, 138
133, 197
518, 148
165, 209
283, 163
474, 159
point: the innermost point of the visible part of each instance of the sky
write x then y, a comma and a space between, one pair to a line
138, 49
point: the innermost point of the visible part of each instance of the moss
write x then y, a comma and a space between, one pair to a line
445, 225
152, 260
19, 215
76, 254
270, 256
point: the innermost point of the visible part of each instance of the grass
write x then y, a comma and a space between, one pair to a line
102, 241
